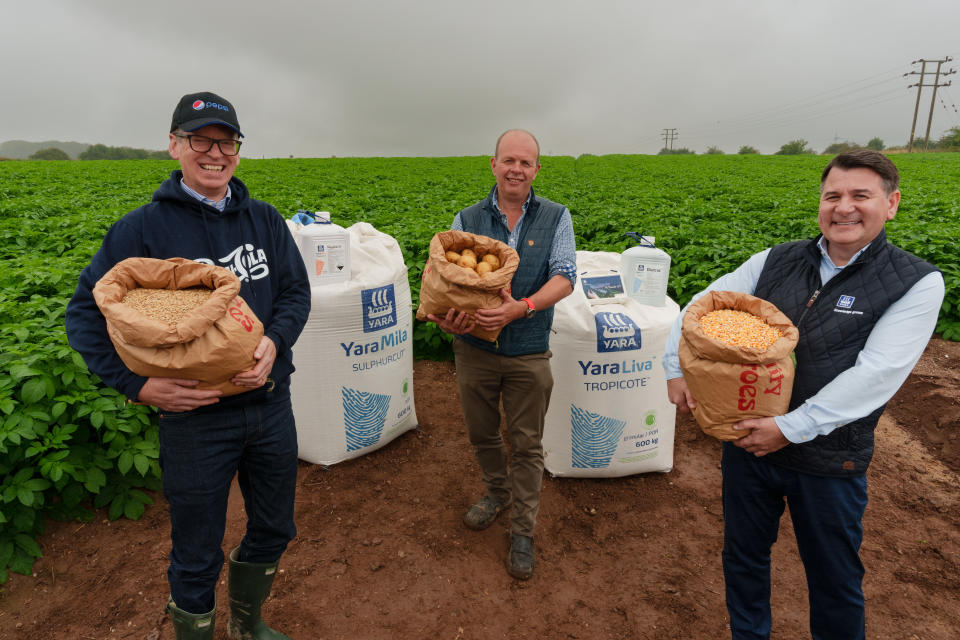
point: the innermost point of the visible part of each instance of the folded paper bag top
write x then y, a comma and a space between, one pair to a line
732, 383
211, 343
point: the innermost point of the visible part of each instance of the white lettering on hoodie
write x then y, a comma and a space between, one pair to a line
246, 262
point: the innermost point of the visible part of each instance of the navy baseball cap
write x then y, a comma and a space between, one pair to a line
197, 110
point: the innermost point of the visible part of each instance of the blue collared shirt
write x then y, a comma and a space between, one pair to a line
563, 253
895, 344
219, 205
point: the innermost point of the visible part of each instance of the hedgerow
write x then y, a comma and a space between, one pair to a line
69, 445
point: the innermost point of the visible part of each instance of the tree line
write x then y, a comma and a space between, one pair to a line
102, 152
949, 141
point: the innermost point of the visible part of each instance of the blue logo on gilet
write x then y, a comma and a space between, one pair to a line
845, 302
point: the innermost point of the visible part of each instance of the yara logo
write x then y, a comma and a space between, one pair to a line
616, 332
379, 308
246, 262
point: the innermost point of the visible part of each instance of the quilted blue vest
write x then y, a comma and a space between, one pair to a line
835, 321
526, 335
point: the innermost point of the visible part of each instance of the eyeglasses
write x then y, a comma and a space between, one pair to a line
202, 144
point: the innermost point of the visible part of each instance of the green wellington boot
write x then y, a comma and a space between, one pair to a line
192, 626
249, 585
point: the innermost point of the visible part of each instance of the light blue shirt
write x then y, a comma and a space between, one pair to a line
219, 205
563, 253
895, 344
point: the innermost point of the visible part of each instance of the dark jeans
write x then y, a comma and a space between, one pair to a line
826, 514
200, 452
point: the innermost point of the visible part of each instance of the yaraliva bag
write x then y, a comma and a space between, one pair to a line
448, 286
211, 343
732, 383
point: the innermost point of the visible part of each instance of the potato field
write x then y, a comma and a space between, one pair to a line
73, 451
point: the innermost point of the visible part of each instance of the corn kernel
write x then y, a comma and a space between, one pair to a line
739, 329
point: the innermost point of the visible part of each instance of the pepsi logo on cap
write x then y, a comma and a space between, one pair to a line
198, 104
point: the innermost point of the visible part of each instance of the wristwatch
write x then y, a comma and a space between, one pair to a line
531, 310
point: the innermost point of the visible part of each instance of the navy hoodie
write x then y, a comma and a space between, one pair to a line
250, 238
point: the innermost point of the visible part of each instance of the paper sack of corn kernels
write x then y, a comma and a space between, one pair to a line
178, 318
735, 353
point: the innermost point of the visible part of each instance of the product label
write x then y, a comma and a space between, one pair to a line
615, 376
644, 441
330, 253
598, 287
648, 280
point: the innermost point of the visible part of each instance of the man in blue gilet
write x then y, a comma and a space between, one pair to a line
865, 310
515, 368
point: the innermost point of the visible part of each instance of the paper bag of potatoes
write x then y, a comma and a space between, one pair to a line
465, 272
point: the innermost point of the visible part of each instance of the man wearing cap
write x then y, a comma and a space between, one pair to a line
515, 368
204, 213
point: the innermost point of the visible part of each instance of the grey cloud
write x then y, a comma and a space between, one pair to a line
443, 77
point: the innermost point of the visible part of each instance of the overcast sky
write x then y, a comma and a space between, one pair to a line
445, 77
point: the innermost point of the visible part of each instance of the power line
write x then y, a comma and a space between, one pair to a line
816, 99
826, 111
845, 98
793, 122
669, 135
920, 85
822, 110
953, 105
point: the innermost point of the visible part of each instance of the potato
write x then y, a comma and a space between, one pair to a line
467, 262
484, 268
492, 260
469, 252
453, 256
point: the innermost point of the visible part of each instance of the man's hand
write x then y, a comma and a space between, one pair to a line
264, 354
679, 394
764, 437
176, 394
455, 322
509, 310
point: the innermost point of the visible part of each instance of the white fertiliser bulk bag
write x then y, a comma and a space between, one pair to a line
609, 414
353, 388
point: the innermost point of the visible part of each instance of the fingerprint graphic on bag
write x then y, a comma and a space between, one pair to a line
364, 415
593, 438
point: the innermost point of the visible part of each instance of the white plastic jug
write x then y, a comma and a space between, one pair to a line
325, 249
645, 271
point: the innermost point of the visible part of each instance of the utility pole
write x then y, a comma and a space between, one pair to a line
668, 135
920, 85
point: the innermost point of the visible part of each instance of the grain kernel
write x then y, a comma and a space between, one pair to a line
739, 329
165, 305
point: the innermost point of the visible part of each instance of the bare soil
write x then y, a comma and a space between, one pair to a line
381, 551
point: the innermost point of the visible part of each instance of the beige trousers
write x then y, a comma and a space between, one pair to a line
523, 384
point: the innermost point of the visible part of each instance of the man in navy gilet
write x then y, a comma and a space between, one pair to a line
515, 368
865, 310
204, 213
